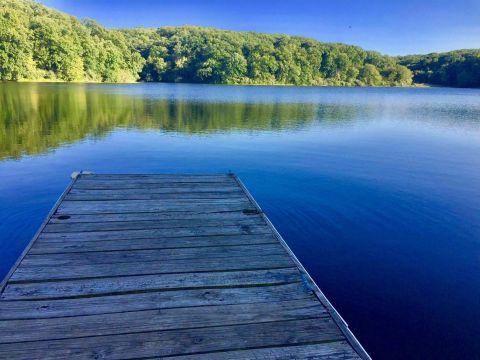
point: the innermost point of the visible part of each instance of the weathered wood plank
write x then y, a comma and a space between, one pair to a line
156, 186
150, 224
177, 342
157, 233
247, 261
118, 285
39, 309
162, 177
150, 216
167, 191
44, 246
326, 351
156, 320
177, 203
154, 196
157, 176
141, 256
85, 182
96, 207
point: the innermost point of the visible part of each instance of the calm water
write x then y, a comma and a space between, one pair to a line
376, 190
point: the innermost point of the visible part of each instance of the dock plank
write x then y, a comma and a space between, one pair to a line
123, 284
44, 246
176, 342
149, 224
152, 266
137, 195
87, 270
156, 233
150, 216
143, 256
336, 350
157, 320
126, 206
40, 309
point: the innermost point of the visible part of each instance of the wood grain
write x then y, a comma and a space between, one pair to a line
153, 266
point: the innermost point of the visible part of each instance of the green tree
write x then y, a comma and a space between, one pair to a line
15, 47
398, 75
38, 42
369, 75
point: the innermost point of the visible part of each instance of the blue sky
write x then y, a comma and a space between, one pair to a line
392, 27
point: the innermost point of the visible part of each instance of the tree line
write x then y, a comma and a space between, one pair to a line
460, 68
205, 55
40, 43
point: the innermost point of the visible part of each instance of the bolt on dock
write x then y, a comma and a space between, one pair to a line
164, 266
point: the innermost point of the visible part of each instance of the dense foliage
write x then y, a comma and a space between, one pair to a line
459, 68
204, 55
37, 43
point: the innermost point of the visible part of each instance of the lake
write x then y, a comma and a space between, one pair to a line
377, 190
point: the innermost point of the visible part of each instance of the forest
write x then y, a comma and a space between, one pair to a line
38, 43
460, 68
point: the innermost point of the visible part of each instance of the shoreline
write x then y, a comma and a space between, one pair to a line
49, 81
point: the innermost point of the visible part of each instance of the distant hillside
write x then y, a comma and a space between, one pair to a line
460, 68
39, 43
205, 55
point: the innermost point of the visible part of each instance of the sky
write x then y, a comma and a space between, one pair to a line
390, 26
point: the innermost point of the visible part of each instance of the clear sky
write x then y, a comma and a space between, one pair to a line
390, 26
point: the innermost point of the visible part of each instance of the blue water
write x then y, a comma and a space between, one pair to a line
376, 190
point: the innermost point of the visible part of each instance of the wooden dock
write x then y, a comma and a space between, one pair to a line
164, 266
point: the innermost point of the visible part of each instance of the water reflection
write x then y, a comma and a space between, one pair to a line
35, 118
